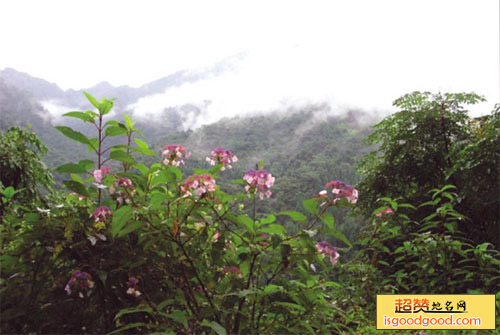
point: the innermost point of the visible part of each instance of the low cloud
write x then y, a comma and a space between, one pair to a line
260, 83
342, 75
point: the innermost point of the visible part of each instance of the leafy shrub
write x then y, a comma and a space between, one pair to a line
431, 255
141, 249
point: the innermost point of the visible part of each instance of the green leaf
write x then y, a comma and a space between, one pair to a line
178, 316
215, 326
80, 115
294, 215
328, 220
121, 156
105, 106
140, 143
244, 293
76, 178
93, 144
76, 187
82, 167
91, 99
157, 200
267, 220
339, 236
74, 135
129, 123
128, 326
274, 229
142, 168
175, 171
115, 130
271, 288
9, 191
159, 177
143, 151
7, 262
311, 205
120, 218
246, 222
307, 326
130, 228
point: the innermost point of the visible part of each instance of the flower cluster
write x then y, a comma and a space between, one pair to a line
222, 156
101, 213
259, 181
173, 154
127, 190
99, 174
231, 270
384, 211
79, 281
133, 285
325, 249
198, 185
340, 189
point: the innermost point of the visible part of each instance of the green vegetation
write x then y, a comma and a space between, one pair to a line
144, 244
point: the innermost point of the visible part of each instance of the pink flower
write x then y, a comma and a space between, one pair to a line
198, 185
79, 281
216, 236
99, 174
259, 181
100, 214
124, 182
326, 248
173, 154
132, 281
341, 189
222, 156
128, 190
133, 285
384, 211
232, 270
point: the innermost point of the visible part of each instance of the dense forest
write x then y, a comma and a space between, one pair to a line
288, 222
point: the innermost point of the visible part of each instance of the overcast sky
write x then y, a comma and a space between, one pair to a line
358, 53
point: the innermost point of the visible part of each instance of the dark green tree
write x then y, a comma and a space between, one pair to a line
429, 143
21, 166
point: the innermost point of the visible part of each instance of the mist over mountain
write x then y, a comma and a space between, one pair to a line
57, 101
188, 99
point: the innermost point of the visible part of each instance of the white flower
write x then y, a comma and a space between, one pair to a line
311, 233
45, 211
92, 240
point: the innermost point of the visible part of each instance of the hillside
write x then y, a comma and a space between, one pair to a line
303, 148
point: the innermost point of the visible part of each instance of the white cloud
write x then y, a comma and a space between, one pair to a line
362, 53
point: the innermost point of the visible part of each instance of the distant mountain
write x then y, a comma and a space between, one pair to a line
39, 88
58, 101
42, 90
19, 108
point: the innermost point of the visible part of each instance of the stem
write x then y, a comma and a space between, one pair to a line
203, 287
254, 208
236, 327
125, 164
99, 129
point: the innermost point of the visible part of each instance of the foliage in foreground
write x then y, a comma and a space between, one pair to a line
142, 249
431, 142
